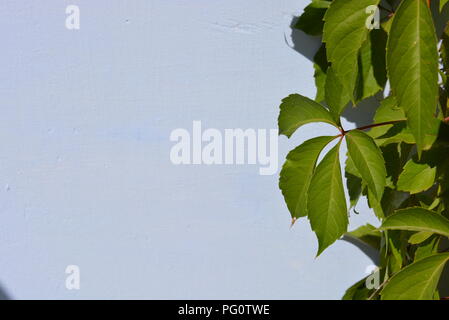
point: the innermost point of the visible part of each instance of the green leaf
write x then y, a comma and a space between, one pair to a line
320, 66
297, 172
327, 210
368, 160
297, 110
353, 182
388, 111
311, 21
386, 25
442, 4
417, 219
400, 132
428, 247
412, 60
372, 73
336, 97
419, 237
358, 291
394, 248
417, 281
344, 33
416, 177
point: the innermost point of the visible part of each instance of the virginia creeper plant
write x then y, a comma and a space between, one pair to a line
400, 162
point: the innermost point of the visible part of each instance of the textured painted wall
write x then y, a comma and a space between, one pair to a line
85, 173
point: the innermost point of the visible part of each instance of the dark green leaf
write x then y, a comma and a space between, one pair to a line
311, 21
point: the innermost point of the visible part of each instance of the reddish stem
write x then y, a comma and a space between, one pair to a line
446, 119
374, 125
428, 3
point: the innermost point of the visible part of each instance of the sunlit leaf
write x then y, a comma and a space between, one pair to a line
412, 60
327, 210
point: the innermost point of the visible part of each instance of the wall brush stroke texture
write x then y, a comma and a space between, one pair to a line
85, 173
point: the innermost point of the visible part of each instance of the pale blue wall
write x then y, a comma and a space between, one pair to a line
85, 175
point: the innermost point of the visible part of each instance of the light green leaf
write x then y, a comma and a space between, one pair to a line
416, 177
417, 219
297, 110
327, 210
368, 160
417, 281
297, 172
419, 237
442, 4
412, 60
336, 97
344, 33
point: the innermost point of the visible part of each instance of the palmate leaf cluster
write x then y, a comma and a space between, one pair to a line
399, 163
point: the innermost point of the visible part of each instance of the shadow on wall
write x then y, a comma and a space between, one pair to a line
307, 46
3, 294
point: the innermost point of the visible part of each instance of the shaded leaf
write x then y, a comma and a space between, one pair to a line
358, 291
311, 21
372, 73
320, 66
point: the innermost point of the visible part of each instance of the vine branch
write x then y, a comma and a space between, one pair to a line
344, 132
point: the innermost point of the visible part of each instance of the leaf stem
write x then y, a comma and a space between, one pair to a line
344, 132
